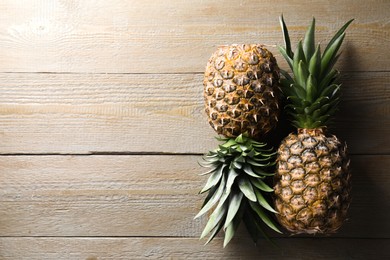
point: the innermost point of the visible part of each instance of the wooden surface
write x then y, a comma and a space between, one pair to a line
102, 125
129, 112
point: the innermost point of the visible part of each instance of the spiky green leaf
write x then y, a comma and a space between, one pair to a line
309, 42
213, 179
234, 205
240, 139
337, 35
287, 76
317, 124
332, 63
230, 231
317, 104
222, 139
209, 163
261, 171
258, 145
248, 170
289, 60
246, 188
299, 55
300, 92
315, 63
328, 79
232, 175
240, 158
296, 101
213, 200
215, 232
258, 183
215, 218
263, 216
286, 37
253, 226
263, 202
209, 196
212, 170
229, 143
330, 91
293, 109
302, 74
316, 113
254, 163
311, 88
235, 165
330, 54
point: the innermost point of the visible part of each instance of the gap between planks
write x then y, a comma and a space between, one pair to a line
140, 153
150, 73
300, 237
104, 153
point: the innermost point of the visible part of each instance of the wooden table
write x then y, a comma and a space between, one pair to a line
102, 125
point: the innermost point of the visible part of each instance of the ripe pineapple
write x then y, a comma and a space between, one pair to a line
241, 90
242, 94
312, 180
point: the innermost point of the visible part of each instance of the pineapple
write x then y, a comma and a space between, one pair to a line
312, 182
241, 90
242, 95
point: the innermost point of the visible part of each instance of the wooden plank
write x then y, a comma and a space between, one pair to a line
154, 195
363, 120
190, 248
86, 113
175, 36
83, 113
99, 195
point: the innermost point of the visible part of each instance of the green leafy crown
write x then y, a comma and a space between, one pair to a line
236, 188
312, 90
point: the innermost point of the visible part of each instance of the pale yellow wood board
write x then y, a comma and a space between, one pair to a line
135, 87
189, 248
83, 113
148, 195
176, 36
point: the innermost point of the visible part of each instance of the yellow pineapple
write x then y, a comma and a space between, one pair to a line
242, 94
241, 90
312, 180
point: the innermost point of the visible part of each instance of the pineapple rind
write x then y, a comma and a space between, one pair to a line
312, 182
241, 90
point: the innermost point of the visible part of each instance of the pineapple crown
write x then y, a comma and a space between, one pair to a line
236, 186
312, 91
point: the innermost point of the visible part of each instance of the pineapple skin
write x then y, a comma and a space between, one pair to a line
241, 90
312, 182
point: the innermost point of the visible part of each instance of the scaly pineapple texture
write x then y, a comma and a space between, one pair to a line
241, 90
312, 180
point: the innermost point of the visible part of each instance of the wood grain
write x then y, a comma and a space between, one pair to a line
101, 121
190, 248
175, 36
84, 113
154, 195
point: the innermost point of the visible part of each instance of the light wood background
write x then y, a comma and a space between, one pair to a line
102, 125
